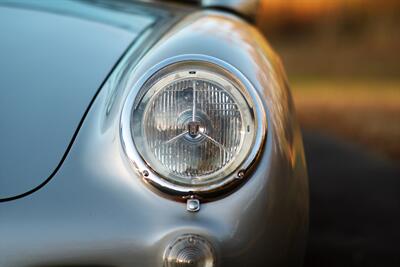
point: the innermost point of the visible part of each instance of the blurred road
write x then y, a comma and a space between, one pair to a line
354, 205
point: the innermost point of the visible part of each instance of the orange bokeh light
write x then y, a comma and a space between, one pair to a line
311, 8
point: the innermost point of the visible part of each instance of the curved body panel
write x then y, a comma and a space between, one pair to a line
51, 67
97, 211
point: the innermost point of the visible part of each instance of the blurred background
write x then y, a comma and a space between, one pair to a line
343, 63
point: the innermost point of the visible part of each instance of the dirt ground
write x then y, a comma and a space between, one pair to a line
354, 200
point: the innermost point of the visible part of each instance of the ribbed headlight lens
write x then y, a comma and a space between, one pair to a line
193, 123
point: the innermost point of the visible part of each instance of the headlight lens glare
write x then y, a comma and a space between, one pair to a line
193, 123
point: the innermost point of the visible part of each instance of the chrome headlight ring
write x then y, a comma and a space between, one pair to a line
146, 93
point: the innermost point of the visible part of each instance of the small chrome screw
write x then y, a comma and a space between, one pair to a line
241, 174
193, 205
146, 173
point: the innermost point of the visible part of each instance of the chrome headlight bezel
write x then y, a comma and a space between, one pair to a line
156, 179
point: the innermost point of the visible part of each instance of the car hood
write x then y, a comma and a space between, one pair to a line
54, 58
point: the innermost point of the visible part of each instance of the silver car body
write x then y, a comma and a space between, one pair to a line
78, 201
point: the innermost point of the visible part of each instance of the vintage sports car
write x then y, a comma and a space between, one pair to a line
146, 134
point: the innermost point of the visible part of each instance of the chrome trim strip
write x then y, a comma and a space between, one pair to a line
247, 8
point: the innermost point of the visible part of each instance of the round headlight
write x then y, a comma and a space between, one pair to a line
194, 124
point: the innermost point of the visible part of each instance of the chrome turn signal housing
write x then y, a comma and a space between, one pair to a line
190, 250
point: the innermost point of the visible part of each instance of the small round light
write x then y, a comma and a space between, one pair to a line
193, 123
189, 250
